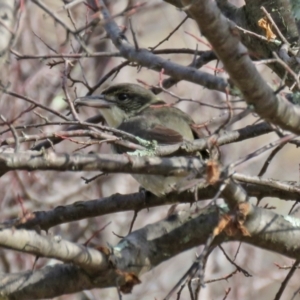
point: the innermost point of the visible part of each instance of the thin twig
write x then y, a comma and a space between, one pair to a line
286, 280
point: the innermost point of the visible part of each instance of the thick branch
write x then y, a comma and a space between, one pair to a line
112, 163
224, 38
254, 186
145, 248
52, 281
52, 247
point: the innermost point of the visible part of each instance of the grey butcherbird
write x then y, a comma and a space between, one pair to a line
127, 107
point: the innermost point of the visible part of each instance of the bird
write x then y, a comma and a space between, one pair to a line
136, 110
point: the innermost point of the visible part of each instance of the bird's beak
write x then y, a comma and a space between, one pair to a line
93, 101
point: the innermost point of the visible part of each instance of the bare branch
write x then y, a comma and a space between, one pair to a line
222, 35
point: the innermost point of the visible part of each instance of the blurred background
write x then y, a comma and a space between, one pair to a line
41, 78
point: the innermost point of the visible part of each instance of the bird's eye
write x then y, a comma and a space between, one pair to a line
122, 97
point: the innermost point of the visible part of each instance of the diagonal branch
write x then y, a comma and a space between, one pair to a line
149, 246
223, 36
254, 186
52, 247
148, 59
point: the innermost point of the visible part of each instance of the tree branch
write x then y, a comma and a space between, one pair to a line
148, 59
147, 247
222, 35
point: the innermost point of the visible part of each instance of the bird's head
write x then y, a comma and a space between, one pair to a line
120, 102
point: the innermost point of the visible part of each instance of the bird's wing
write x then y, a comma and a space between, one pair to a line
164, 125
161, 134
150, 130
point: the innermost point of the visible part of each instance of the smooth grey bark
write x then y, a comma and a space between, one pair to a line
147, 247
